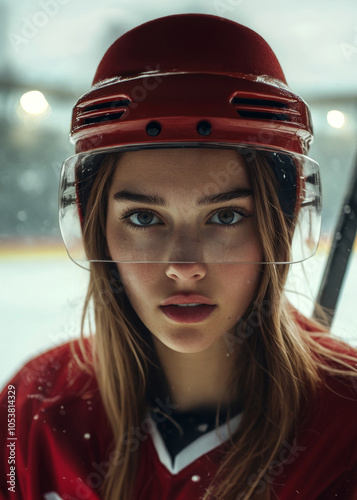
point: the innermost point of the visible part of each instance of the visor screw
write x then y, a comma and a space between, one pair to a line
153, 128
204, 127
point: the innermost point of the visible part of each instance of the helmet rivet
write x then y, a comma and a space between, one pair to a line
153, 128
204, 127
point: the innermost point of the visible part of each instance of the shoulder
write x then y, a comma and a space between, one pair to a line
329, 411
57, 422
330, 353
337, 370
319, 459
330, 416
46, 383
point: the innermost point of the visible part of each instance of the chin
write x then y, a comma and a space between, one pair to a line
189, 341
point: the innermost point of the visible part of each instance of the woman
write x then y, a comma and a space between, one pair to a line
188, 198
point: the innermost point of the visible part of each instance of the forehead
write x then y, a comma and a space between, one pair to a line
207, 170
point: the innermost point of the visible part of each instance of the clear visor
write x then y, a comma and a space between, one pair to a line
190, 203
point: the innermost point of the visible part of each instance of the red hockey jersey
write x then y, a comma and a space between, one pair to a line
55, 443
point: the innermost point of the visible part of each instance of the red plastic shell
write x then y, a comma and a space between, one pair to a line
179, 102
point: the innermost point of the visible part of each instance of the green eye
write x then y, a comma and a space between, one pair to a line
226, 217
144, 219
141, 219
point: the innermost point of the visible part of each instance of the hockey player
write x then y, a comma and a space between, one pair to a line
188, 198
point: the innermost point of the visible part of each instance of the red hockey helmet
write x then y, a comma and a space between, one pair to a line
193, 80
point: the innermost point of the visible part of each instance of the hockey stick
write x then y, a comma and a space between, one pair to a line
340, 253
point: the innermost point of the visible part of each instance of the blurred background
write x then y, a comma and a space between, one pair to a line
49, 51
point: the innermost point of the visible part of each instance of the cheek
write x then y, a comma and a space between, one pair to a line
241, 281
137, 279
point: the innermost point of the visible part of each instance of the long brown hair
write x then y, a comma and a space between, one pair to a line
281, 357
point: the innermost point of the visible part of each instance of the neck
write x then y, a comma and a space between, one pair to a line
197, 380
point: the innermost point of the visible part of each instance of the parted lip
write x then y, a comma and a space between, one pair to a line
187, 298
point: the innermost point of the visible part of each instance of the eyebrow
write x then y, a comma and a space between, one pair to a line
236, 194
153, 199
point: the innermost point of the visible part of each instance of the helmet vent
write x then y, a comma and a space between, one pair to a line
263, 116
261, 109
103, 118
259, 102
107, 105
103, 111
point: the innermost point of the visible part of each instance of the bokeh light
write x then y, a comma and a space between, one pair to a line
34, 103
335, 118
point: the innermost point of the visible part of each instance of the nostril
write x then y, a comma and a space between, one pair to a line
185, 271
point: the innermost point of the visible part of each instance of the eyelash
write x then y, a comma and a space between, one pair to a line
128, 213
241, 211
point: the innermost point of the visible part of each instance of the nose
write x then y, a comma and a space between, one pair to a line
186, 272
185, 261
